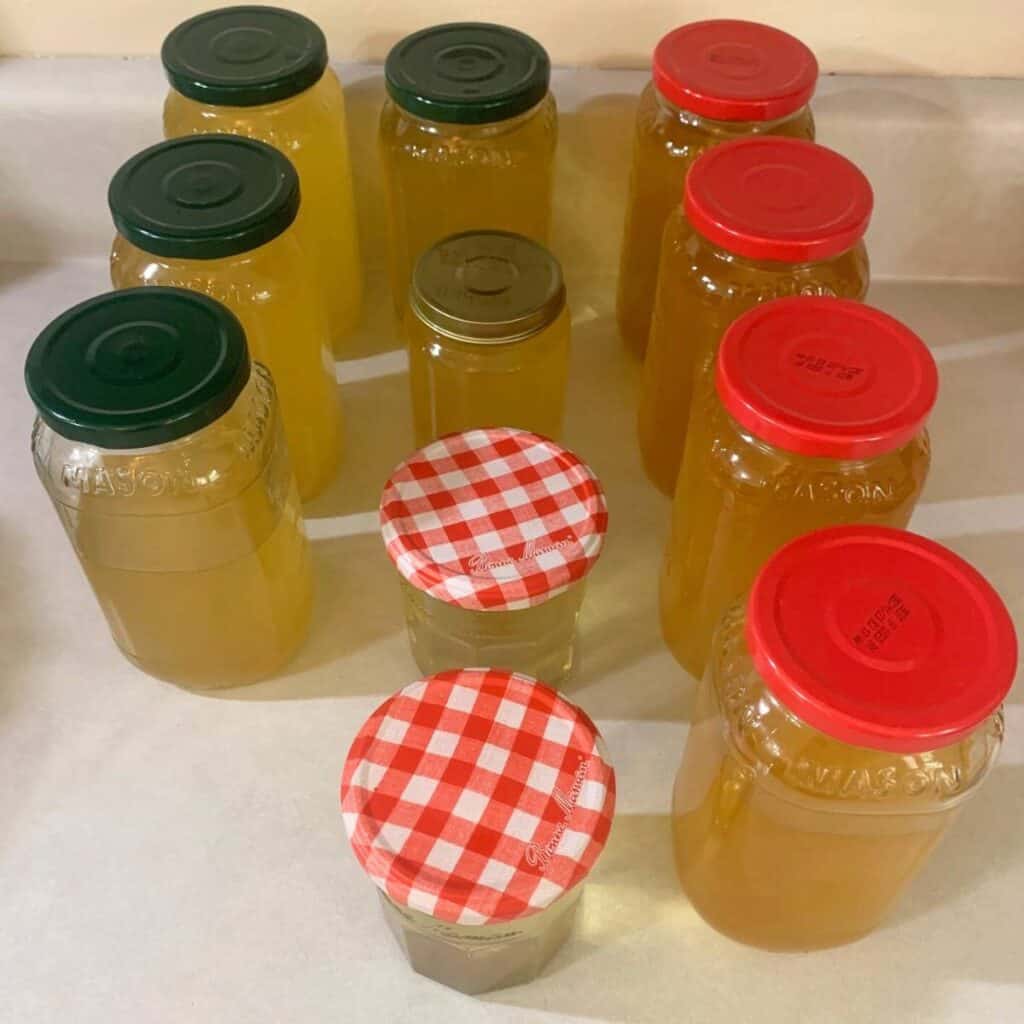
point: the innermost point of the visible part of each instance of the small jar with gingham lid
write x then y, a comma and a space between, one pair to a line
478, 801
493, 533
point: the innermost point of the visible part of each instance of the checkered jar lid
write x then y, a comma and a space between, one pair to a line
493, 520
477, 796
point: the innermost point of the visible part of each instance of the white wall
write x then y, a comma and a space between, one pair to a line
935, 37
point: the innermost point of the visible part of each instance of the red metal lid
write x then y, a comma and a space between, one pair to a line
786, 200
494, 519
477, 796
734, 70
881, 638
826, 377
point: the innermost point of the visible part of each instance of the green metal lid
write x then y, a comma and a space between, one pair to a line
204, 196
467, 73
490, 287
244, 56
138, 367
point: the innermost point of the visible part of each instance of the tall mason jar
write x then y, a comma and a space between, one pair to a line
160, 446
713, 82
262, 72
467, 139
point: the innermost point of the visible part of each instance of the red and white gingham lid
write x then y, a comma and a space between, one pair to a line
494, 519
477, 796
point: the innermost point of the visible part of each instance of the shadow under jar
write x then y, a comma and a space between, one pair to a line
761, 219
467, 140
161, 449
851, 707
262, 72
493, 533
488, 336
713, 82
215, 214
817, 418
481, 858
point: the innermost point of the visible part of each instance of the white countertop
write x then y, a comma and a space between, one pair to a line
180, 858
174, 857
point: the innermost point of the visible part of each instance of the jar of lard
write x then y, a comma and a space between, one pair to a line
817, 418
467, 139
489, 336
478, 801
215, 213
713, 82
850, 710
262, 72
761, 219
161, 448
493, 533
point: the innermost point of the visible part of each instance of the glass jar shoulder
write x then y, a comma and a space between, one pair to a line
683, 135
247, 280
404, 136
800, 763
312, 117
761, 474
716, 277
195, 473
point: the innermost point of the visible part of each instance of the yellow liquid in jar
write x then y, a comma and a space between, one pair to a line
788, 839
703, 290
310, 130
459, 385
196, 551
285, 329
442, 179
539, 642
666, 142
739, 500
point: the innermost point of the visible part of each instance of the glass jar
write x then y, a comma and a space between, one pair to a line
262, 72
489, 338
214, 213
817, 418
713, 81
493, 533
468, 118
478, 801
851, 707
162, 452
761, 219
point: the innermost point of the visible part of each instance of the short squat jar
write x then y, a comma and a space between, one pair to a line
467, 139
493, 533
817, 418
262, 72
488, 336
713, 82
850, 710
161, 448
760, 219
481, 847
215, 213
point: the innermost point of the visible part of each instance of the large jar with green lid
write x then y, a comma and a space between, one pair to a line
160, 446
262, 72
467, 139
215, 213
488, 336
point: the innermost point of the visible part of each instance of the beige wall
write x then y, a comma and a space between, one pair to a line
947, 37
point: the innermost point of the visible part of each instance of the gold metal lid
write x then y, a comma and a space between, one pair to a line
489, 287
